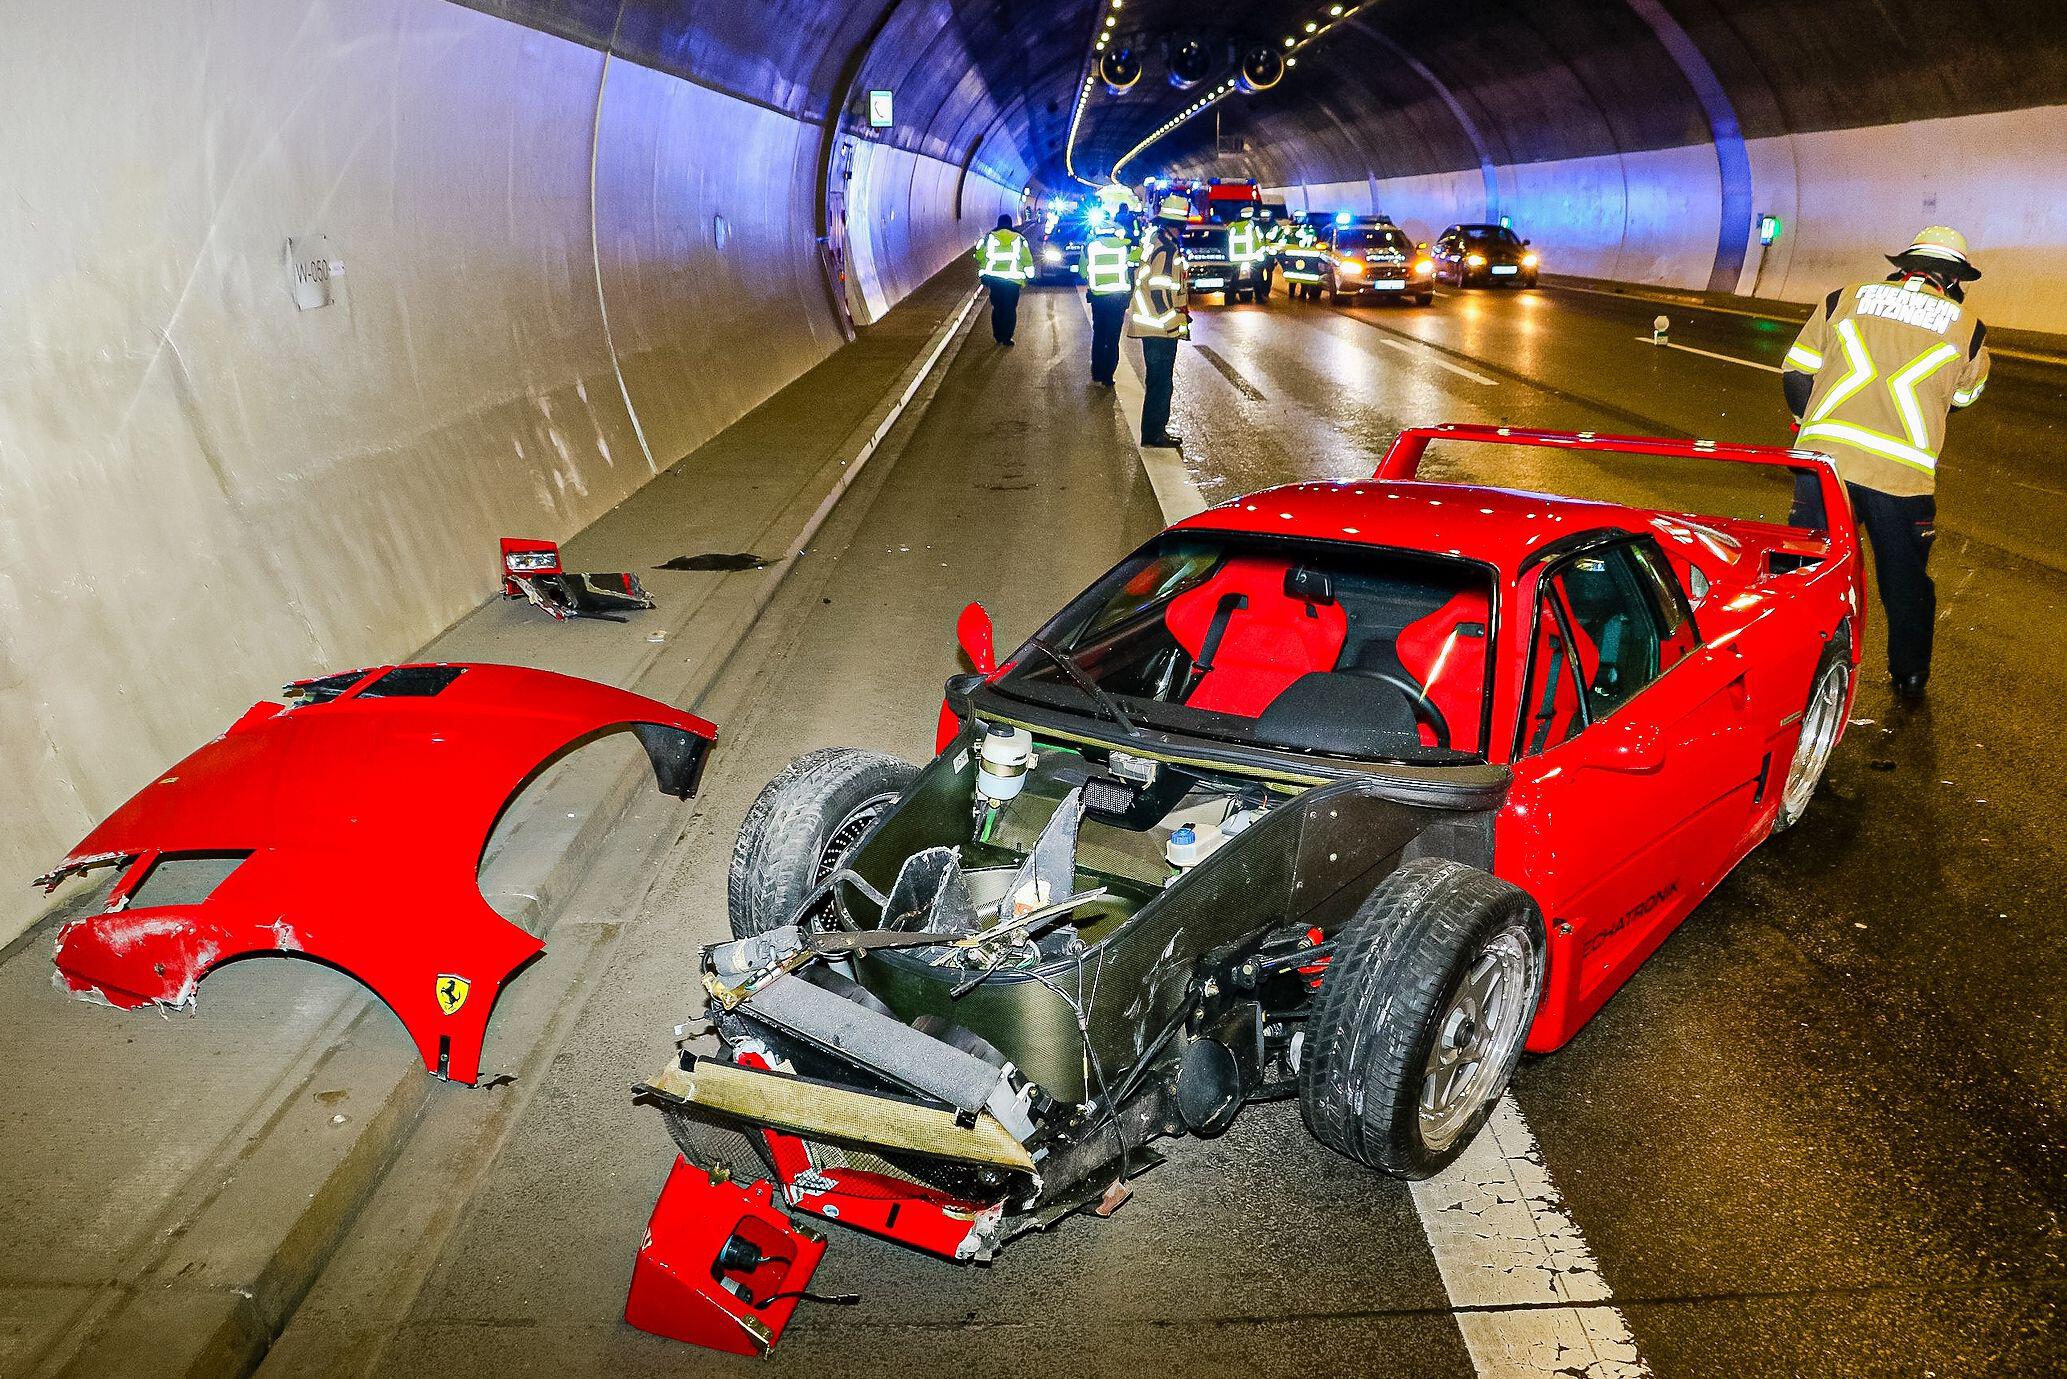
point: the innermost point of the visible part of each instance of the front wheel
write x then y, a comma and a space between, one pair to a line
1421, 1016
1424, 299
801, 828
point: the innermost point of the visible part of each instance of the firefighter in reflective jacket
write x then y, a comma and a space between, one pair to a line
1005, 264
1872, 379
1245, 252
1158, 318
1108, 282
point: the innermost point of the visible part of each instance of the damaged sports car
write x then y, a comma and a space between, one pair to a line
1349, 792
346, 827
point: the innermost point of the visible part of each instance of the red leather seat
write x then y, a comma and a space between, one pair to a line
1267, 637
1448, 661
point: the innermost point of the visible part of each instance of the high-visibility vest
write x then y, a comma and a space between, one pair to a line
1244, 242
1106, 259
1889, 360
1158, 307
1003, 254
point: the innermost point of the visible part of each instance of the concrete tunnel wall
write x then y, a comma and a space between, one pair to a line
1640, 140
205, 491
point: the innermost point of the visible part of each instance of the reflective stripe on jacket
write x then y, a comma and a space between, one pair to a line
1157, 311
1106, 263
1004, 254
1244, 242
1890, 360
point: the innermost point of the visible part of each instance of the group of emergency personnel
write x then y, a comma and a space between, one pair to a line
1871, 381
1134, 279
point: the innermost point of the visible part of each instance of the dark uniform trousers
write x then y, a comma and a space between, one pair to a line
1160, 355
1108, 316
1004, 308
1900, 531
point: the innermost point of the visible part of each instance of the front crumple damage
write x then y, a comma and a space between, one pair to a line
347, 829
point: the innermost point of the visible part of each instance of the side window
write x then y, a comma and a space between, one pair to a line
1678, 635
1550, 710
1612, 614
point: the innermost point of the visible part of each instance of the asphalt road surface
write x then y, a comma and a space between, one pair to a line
1820, 1133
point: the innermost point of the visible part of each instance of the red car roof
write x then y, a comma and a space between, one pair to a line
1499, 526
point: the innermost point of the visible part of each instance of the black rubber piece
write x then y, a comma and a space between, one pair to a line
777, 857
1374, 1022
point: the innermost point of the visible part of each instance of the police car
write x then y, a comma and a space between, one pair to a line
1216, 259
1358, 256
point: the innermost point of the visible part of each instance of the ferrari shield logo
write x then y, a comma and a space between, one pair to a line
452, 993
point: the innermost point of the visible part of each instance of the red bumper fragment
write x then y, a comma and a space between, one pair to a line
721, 1266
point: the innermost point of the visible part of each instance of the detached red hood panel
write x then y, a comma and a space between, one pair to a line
364, 814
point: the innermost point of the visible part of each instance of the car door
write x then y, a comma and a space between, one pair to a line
1635, 769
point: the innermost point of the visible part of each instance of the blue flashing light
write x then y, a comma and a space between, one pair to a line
1770, 227
1343, 217
1507, 222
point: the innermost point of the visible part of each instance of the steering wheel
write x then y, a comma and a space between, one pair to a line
1424, 707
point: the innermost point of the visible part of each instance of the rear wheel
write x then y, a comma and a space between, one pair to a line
1821, 723
1421, 1016
801, 828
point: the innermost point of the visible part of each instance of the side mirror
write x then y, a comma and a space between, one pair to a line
978, 639
1626, 745
1527, 242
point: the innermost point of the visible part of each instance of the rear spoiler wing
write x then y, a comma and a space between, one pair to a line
1403, 459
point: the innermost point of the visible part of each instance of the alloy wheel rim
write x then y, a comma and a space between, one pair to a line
1818, 737
852, 827
1476, 1036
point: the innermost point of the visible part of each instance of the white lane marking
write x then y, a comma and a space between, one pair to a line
1430, 356
1177, 494
1529, 1299
1709, 354
2029, 356
1528, 1294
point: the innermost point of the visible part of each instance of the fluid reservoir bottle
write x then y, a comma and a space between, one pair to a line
1001, 762
1191, 844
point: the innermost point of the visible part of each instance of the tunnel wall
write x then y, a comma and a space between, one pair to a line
1641, 139
562, 272
1847, 197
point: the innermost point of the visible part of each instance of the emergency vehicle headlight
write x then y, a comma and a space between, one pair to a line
1424, 266
1475, 260
1349, 266
1528, 260
1051, 254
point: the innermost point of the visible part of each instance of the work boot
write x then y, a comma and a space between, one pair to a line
1910, 687
1169, 440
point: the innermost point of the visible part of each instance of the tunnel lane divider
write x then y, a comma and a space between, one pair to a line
1525, 1290
1709, 354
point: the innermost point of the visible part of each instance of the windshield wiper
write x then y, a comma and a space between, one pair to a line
1087, 685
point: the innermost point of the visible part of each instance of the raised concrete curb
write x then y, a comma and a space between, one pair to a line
247, 1234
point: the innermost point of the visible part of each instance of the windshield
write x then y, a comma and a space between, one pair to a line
1380, 237
1207, 237
1302, 646
1490, 234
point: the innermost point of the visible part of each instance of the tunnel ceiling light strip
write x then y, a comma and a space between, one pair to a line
1307, 34
1103, 33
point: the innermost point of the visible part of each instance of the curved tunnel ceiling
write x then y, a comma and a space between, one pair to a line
1384, 88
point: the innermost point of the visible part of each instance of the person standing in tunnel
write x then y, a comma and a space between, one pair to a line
1005, 264
1108, 280
1871, 380
1158, 317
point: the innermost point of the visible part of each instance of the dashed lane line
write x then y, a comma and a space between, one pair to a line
1709, 354
1428, 356
1526, 1293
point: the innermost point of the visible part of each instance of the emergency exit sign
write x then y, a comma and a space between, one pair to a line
879, 110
